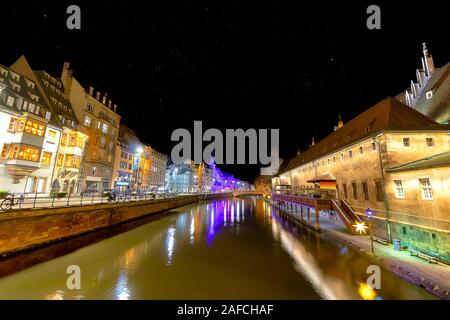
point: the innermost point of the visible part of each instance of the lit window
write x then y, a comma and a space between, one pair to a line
350, 154
374, 146
399, 191
341, 156
48, 115
59, 160
12, 124
25, 105
10, 101
90, 108
46, 158
31, 107
104, 128
425, 185
361, 150
429, 94
406, 142
5, 150
87, 121
51, 135
27, 153
430, 142
94, 171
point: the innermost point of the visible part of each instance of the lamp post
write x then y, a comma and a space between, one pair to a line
369, 213
138, 154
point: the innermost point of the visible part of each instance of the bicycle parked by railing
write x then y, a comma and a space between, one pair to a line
11, 200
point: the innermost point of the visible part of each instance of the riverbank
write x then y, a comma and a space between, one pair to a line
434, 278
28, 229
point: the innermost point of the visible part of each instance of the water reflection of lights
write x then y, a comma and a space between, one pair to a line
366, 292
58, 295
305, 262
170, 242
122, 291
232, 213
192, 231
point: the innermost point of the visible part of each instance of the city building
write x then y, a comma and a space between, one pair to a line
144, 166
353, 164
430, 93
123, 173
133, 145
96, 113
182, 178
65, 176
421, 189
157, 177
29, 136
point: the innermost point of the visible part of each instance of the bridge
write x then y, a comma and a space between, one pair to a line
249, 193
312, 206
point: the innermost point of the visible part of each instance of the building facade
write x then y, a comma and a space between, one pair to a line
157, 177
182, 178
29, 136
98, 116
353, 163
66, 173
123, 174
420, 188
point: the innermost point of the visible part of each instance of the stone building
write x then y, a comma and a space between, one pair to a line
123, 173
157, 177
430, 93
29, 135
420, 190
65, 177
352, 163
96, 113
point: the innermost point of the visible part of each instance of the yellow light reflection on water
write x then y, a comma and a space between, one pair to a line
366, 292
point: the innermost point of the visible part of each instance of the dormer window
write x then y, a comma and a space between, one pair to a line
16, 87
347, 138
429, 95
367, 129
15, 76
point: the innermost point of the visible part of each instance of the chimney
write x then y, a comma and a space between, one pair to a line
66, 77
97, 95
91, 91
340, 122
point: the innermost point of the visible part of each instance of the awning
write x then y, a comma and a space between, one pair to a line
324, 181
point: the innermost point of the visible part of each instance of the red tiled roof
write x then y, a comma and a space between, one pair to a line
387, 115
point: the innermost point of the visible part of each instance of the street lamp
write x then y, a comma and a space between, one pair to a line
138, 154
369, 213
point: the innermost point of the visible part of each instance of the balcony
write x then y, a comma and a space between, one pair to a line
21, 137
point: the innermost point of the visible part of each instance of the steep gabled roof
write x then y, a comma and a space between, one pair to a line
387, 115
62, 106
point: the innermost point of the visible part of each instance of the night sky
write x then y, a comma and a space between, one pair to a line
232, 64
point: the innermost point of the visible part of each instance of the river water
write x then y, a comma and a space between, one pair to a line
227, 249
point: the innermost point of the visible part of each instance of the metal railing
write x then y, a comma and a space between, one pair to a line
58, 199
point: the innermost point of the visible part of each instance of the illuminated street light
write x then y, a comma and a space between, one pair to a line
369, 213
360, 227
